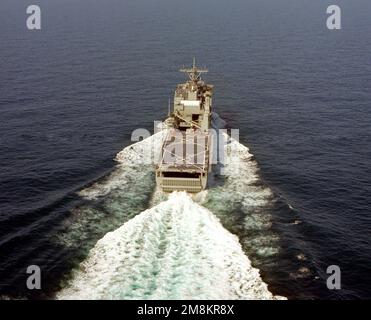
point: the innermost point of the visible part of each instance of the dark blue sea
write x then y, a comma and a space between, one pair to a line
72, 93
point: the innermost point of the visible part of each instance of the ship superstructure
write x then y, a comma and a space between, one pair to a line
185, 156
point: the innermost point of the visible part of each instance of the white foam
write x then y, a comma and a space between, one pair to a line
133, 162
175, 250
241, 191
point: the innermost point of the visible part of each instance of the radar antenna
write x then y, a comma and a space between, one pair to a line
194, 73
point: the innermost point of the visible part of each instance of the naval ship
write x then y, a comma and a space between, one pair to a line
184, 163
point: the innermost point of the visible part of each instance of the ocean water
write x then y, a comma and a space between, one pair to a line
71, 95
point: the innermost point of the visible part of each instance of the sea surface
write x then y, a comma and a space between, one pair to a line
72, 94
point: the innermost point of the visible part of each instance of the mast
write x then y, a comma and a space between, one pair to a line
194, 73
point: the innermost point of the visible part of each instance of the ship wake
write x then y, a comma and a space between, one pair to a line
175, 250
